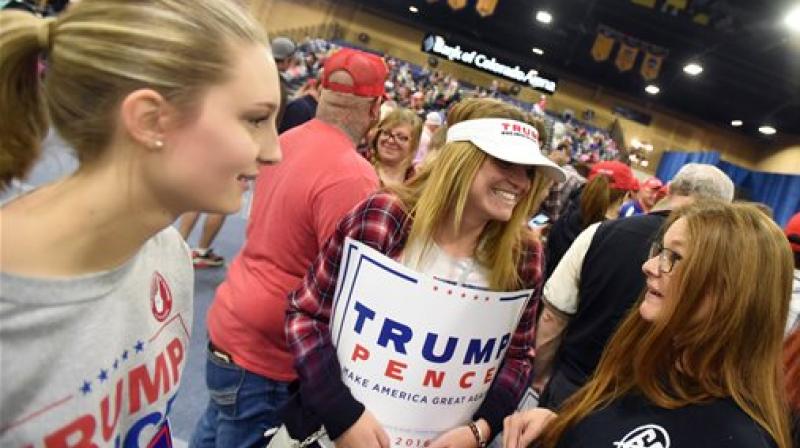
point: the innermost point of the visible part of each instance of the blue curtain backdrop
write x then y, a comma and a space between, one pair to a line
672, 161
779, 191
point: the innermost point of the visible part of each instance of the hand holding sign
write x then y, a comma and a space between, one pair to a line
522, 428
461, 436
365, 433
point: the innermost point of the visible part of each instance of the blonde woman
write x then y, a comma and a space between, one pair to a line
394, 146
698, 361
169, 105
461, 218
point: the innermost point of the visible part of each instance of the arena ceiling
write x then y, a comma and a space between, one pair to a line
750, 59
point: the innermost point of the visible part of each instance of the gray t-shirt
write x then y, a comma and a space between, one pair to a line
95, 360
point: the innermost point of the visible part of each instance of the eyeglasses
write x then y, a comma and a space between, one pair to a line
398, 137
666, 257
504, 165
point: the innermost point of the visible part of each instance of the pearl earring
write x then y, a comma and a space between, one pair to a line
158, 144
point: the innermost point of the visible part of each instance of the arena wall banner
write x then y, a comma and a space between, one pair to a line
419, 352
457, 52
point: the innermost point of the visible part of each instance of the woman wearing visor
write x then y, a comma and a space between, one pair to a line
462, 218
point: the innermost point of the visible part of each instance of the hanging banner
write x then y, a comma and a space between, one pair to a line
626, 56
486, 7
645, 3
675, 6
603, 44
457, 4
651, 65
420, 353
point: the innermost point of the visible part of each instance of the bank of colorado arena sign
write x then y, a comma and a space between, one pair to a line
419, 352
437, 45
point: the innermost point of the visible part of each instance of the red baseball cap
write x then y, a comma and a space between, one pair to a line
792, 231
618, 173
367, 70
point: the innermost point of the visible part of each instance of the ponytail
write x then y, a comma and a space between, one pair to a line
98, 53
595, 200
23, 39
597, 196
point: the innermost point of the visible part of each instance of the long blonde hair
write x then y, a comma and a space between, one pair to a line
443, 185
736, 278
97, 53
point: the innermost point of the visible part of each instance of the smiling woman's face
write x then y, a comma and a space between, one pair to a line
497, 188
394, 145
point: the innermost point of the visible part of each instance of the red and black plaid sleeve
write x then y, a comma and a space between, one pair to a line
515, 374
379, 222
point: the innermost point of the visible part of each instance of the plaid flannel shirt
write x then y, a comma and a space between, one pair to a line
382, 223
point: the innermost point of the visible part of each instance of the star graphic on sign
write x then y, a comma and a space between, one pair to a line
139, 346
125, 355
87, 387
116, 364
103, 375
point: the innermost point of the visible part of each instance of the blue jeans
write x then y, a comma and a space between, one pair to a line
242, 407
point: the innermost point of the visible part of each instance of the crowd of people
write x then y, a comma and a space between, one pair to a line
643, 308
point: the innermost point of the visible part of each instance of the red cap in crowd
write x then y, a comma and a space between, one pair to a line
792, 231
619, 174
367, 70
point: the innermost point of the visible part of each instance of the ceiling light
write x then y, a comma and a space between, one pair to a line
537, 50
736, 123
413, 9
693, 68
544, 17
792, 19
652, 89
767, 130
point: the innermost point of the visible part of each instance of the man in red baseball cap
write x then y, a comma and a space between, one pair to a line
646, 198
296, 207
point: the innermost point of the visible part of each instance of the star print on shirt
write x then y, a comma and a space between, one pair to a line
116, 364
139, 347
125, 355
103, 375
86, 388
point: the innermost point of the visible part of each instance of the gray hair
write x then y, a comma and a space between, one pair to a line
702, 181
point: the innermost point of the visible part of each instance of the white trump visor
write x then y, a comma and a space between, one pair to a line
509, 140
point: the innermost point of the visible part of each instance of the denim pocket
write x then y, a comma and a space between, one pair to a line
224, 380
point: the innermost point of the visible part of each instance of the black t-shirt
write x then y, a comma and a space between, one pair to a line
563, 233
611, 281
633, 422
